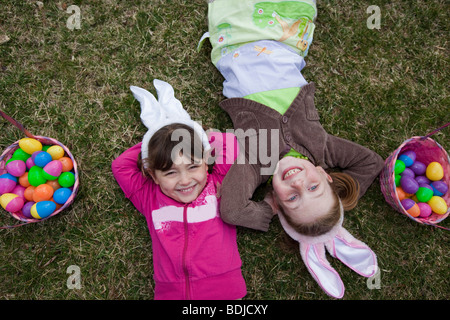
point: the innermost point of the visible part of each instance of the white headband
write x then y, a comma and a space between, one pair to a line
156, 114
341, 245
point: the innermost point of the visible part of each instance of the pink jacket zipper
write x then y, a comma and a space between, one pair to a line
186, 242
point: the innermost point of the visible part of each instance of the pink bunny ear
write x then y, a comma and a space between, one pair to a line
353, 253
313, 255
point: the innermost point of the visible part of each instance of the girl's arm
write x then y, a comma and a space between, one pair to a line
135, 185
363, 164
225, 150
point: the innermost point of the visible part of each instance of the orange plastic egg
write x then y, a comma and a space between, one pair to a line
23, 180
28, 193
67, 164
42, 192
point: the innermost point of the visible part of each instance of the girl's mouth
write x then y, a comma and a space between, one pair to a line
290, 172
186, 190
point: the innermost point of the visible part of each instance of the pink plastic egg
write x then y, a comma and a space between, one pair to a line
16, 168
29, 163
52, 170
7, 183
11, 202
425, 210
19, 190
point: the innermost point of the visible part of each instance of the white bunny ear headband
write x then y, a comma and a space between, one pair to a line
156, 114
341, 245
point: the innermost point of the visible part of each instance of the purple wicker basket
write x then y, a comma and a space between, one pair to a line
427, 151
6, 155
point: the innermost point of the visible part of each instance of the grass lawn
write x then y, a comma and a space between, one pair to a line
377, 87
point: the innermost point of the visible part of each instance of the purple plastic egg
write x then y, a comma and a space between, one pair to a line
53, 168
418, 168
27, 208
409, 185
16, 168
7, 183
408, 173
407, 203
439, 188
425, 209
422, 180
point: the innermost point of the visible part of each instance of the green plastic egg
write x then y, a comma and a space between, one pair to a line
36, 176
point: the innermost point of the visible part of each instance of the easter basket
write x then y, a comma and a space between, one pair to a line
427, 151
45, 141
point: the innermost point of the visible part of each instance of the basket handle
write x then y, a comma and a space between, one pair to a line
434, 131
17, 124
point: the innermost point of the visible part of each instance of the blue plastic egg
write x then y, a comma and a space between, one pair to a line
42, 209
61, 195
7, 183
408, 158
42, 158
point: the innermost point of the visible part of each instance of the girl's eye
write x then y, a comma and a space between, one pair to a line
292, 198
168, 173
194, 166
313, 188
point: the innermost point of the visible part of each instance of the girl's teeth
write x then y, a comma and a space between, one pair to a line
291, 172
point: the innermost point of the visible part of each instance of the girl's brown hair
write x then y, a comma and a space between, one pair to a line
164, 141
344, 188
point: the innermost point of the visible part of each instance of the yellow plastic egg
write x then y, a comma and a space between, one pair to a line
30, 145
434, 171
438, 205
56, 152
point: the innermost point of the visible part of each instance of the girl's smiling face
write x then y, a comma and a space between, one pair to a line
184, 181
302, 189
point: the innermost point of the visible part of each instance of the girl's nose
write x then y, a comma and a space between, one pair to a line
184, 179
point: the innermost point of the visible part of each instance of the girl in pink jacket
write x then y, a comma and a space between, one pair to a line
195, 254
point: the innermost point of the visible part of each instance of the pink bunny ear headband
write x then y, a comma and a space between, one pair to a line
156, 114
341, 245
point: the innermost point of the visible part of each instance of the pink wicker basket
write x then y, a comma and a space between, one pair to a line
427, 151
6, 155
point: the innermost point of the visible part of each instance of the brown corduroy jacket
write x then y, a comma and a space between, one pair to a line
299, 128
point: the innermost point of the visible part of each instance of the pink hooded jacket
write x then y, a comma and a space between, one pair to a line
195, 254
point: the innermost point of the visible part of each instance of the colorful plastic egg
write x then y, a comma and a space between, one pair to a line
26, 209
408, 158
418, 168
424, 193
439, 188
28, 193
23, 180
29, 163
408, 173
397, 179
7, 183
425, 210
411, 207
52, 170
56, 152
20, 154
435, 171
422, 180
16, 167
409, 185
42, 159
36, 176
438, 205
62, 195
30, 145
67, 164
54, 184
43, 209
11, 202
19, 190
66, 179
399, 166
400, 193
42, 192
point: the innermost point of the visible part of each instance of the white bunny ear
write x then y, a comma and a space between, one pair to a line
353, 253
313, 255
166, 97
151, 111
